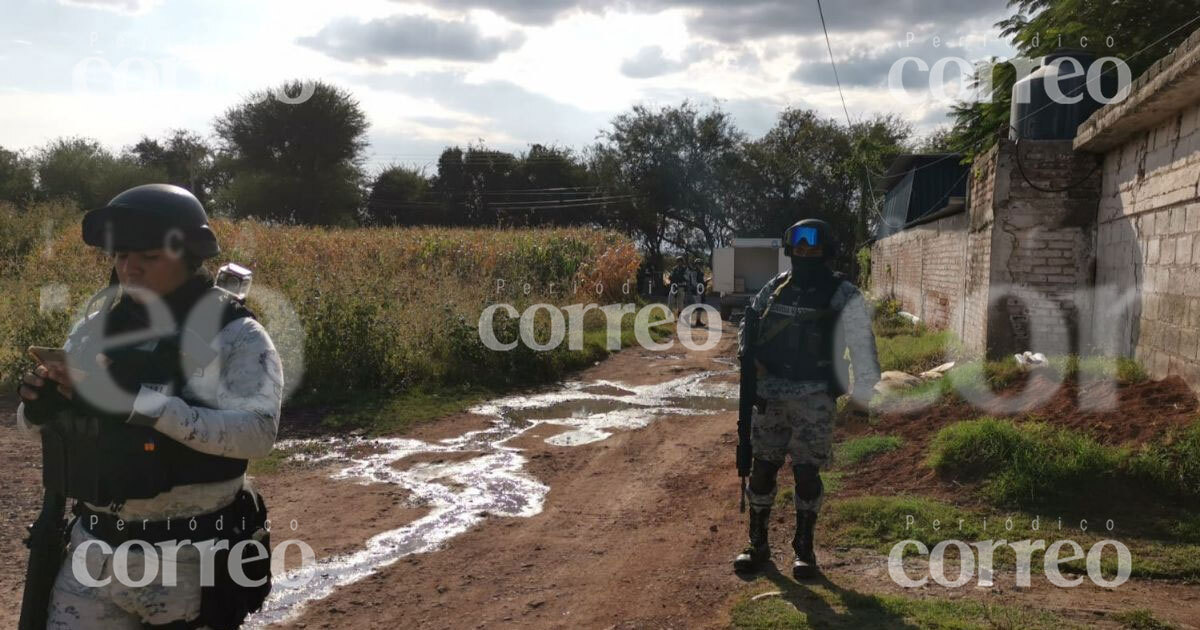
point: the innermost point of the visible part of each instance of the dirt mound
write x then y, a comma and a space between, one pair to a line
1110, 413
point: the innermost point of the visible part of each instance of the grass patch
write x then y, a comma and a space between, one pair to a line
888, 322
976, 376
1030, 463
268, 465
857, 450
1158, 550
1172, 462
398, 413
877, 523
828, 606
1122, 370
1025, 463
1141, 619
918, 352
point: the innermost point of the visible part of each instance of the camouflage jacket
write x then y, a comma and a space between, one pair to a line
853, 327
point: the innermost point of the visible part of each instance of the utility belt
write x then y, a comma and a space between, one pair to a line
113, 530
224, 604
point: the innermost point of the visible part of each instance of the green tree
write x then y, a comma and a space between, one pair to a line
292, 158
185, 158
466, 181
812, 167
82, 170
676, 163
939, 140
16, 177
399, 196
545, 185
550, 186
1140, 35
627, 212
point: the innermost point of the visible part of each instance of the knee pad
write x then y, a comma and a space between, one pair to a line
808, 482
762, 476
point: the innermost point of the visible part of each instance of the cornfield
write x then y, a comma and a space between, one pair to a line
378, 309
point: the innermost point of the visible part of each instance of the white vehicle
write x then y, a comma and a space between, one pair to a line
741, 269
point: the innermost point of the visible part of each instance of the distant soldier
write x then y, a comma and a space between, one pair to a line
679, 280
792, 343
695, 288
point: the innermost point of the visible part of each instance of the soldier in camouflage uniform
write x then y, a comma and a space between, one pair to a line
803, 321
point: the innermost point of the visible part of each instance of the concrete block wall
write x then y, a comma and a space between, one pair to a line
977, 270
1148, 235
1007, 274
1150, 248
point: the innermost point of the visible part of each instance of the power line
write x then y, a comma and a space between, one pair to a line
828, 47
567, 202
849, 124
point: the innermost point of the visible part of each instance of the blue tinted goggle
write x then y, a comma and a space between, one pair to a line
803, 234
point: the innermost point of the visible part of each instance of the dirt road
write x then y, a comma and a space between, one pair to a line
632, 526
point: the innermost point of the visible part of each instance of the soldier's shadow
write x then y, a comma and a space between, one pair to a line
836, 608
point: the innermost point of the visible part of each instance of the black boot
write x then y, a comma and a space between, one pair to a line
758, 551
805, 566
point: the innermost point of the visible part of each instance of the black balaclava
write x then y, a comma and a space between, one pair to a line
807, 270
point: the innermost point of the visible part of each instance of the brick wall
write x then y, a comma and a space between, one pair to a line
1043, 247
1005, 275
921, 266
977, 271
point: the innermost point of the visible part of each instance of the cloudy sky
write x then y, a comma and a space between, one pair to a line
507, 72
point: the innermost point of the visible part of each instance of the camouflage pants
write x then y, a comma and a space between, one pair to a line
116, 606
799, 422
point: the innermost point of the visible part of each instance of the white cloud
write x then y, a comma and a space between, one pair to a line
129, 7
509, 72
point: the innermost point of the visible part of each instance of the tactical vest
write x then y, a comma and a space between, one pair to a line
102, 459
796, 331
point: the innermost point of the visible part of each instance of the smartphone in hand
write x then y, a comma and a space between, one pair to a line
55, 360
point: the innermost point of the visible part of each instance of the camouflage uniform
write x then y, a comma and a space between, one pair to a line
799, 414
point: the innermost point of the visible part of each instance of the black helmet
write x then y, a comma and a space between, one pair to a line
810, 238
151, 217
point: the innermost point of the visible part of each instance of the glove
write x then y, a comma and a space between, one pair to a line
47, 405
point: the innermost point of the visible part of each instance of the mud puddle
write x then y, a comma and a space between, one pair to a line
480, 476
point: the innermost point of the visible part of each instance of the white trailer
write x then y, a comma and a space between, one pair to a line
741, 269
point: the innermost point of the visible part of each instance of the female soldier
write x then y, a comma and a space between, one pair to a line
172, 387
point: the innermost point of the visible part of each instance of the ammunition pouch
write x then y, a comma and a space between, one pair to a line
226, 604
